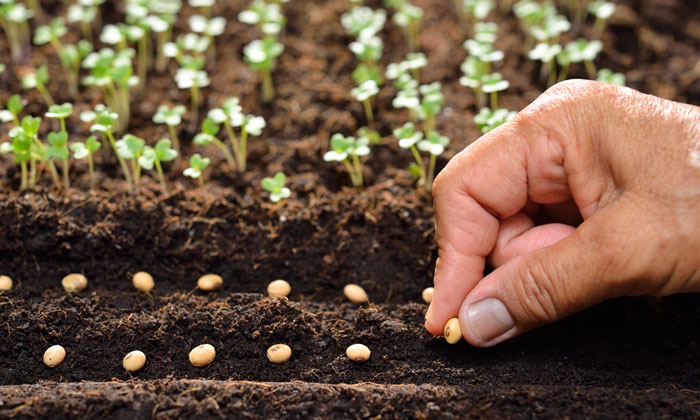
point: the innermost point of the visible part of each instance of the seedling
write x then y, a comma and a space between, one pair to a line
483, 51
532, 14
344, 149
435, 145
38, 80
197, 165
130, 148
204, 5
492, 84
162, 26
155, 156
267, 16
71, 57
194, 80
408, 137
208, 135
260, 56
121, 33
607, 76
602, 10
85, 15
14, 108
368, 50
172, 117
550, 28
432, 102
363, 22
13, 20
486, 32
208, 28
51, 33
364, 94
546, 53
474, 72
275, 186
408, 17
478, 9
586, 51
61, 112
487, 119
58, 149
87, 150
21, 146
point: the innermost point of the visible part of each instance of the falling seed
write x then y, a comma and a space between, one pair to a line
428, 294
355, 293
279, 288
143, 281
358, 353
279, 353
202, 355
453, 332
210, 282
5, 283
54, 356
134, 361
74, 283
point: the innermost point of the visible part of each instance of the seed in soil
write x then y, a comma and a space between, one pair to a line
279, 288
210, 282
358, 353
453, 332
355, 293
202, 355
74, 283
54, 356
143, 282
5, 283
428, 294
279, 353
134, 361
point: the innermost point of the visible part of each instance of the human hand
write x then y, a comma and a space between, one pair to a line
628, 164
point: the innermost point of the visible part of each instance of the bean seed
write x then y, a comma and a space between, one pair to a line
453, 332
74, 283
202, 355
355, 293
358, 353
5, 283
428, 294
143, 281
54, 356
279, 353
279, 288
134, 361
210, 282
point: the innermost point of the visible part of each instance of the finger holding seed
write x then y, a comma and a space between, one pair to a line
143, 281
453, 332
210, 282
134, 361
279, 288
202, 355
5, 283
74, 283
358, 353
279, 353
355, 293
54, 356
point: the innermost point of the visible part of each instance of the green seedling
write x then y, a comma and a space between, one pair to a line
121, 34
586, 51
372, 135
486, 32
194, 80
130, 148
38, 80
87, 150
532, 14
344, 149
58, 149
550, 29
608, 76
492, 84
408, 137
435, 145
408, 17
85, 15
172, 117
60, 112
364, 94
602, 10
197, 166
260, 56
14, 18
21, 147
14, 108
368, 50
432, 102
203, 5
487, 119
363, 22
162, 26
231, 116
208, 28
484, 52
71, 57
188, 50
155, 156
208, 135
275, 186
478, 10
414, 62
546, 53
474, 72
267, 16
51, 33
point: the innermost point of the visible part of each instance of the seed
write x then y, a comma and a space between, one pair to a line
279, 288
202, 355
355, 293
453, 332
428, 294
210, 282
74, 283
279, 353
358, 353
134, 361
54, 356
5, 283
143, 281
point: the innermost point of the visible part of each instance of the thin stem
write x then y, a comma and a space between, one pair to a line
174, 138
194, 96
159, 169
552, 74
23, 182
122, 162
494, 100
201, 180
143, 59
242, 158
233, 139
32, 172
87, 30
54, 174
431, 173
563, 72
429, 125
45, 93
368, 112
91, 169
227, 154
266, 86
137, 169
161, 59
351, 172
421, 165
358, 169
66, 170
590, 68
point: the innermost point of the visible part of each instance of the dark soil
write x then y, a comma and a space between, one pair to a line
633, 357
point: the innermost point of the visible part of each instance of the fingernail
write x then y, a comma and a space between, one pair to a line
489, 318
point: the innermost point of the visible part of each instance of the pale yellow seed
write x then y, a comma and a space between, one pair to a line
74, 283
143, 281
210, 282
5, 283
279, 353
355, 293
453, 332
279, 288
54, 356
358, 353
202, 355
427, 294
134, 361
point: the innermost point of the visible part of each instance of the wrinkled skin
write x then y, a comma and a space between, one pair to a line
591, 192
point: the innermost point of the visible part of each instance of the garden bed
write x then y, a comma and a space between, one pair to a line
632, 357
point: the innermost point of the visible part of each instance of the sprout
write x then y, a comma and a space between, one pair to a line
345, 148
155, 156
275, 186
58, 149
408, 138
197, 165
85, 14
13, 19
602, 10
408, 17
38, 80
607, 76
484, 51
193, 79
474, 72
104, 121
61, 112
71, 56
172, 118
204, 5
82, 150
21, 146
546, 54
478, 9
14, 107
209, 28
267, 16
487, 119
550, 29
486, 32
431, 105
363, 93
208, 135
130, 147
586, 51
367, 49
492, 84
260, 56
532, 14
50, 34
363, 22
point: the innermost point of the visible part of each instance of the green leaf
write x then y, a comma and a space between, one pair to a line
268, 184
93, 144
414, 169
60, 111
14, 105
280, 178
163, 151
79, 150
31, 124
210, 127
202, 139
148, 158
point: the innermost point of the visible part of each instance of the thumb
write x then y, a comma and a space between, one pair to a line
548, 284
